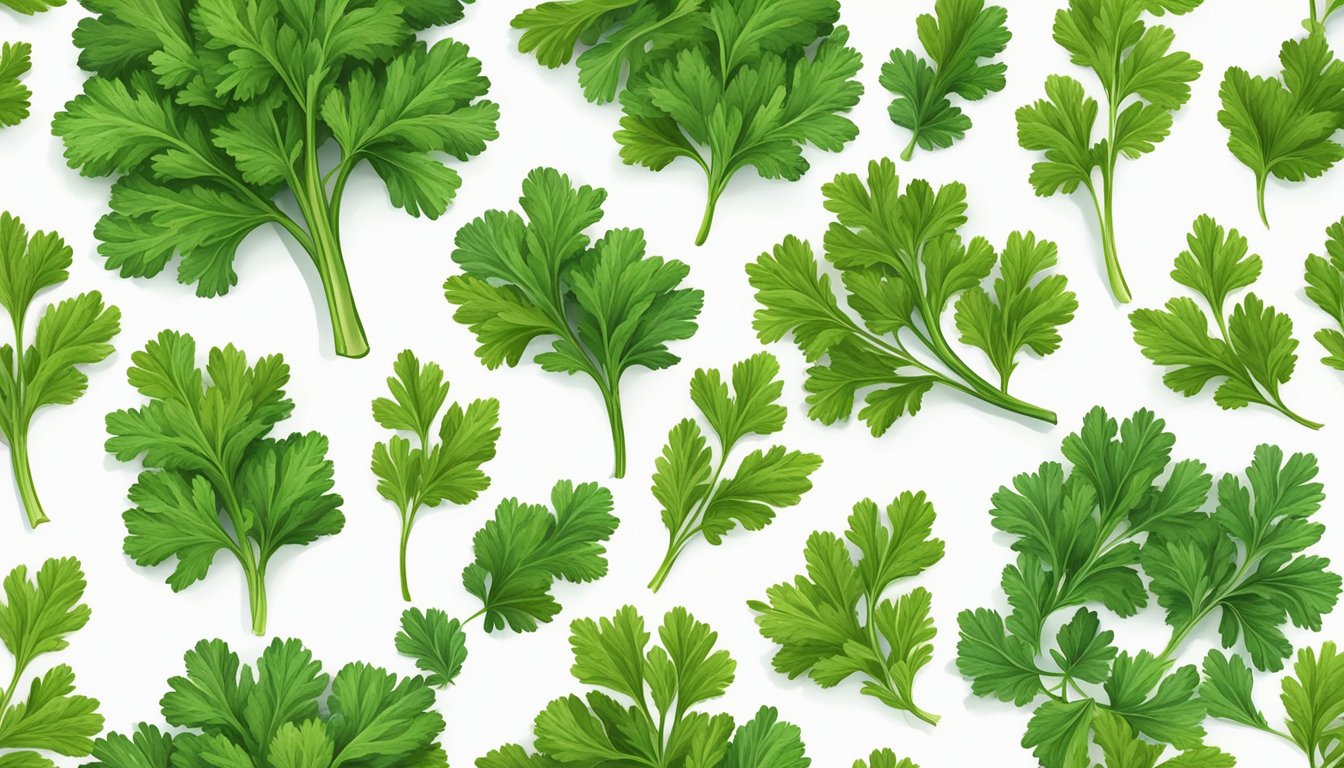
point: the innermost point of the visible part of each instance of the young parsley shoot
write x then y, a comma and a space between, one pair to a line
607, 306
44, 370
219, 116
962, 35
1143, 82
697, 500
834, 622
1286, 127
902, 262
440, 465
1254, 352
213, 481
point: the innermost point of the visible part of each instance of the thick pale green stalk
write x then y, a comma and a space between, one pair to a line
23, 476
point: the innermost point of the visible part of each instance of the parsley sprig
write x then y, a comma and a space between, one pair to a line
1085, 537
902, 262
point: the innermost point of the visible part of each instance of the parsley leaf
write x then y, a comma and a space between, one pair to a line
208, 110
610, 307
1325, 287
725, 83
1254, 352
902, 262
697, 499
213, 481
1144, 84
1245, 560
44, 371
884, 758
1313, 699
1316, 21
15, 98
423, 474
1286, 128
963, 33
834, 622
1122, 748
286, 713
30, 7
527, 547
651, 715
1124, 512
36, 616
436, 642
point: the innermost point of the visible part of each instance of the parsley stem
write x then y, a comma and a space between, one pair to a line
256, 596
407, 520
717, 183
612, 396
909, 151
23, 477
1260, 179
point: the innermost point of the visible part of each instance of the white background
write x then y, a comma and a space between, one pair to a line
341, 595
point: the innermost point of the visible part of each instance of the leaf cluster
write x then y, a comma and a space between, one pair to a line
727, 84
606, 306
835, 622
1253, 353
645, 706
697, 499
902, 262
213, 480
1285, 126
45, 370
1088, 536
1325, 288
1313, 700
962, 35
286, 712
1143, 82
207, 110
37, 616
431, 466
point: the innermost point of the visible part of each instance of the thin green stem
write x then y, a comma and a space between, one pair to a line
909, 151
256, 592
612, 397
1260, 179
407, 520
717, 183
982, 388
23, 476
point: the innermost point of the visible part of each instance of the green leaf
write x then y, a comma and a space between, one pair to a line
1226, 690
1325, 288
1314, 700
15, 98
963, 33
1085, 651
884, 758
1160, 706
213, 480
696, 501
437, 643
765, 742
148, 747
674, 677
36, 617
816, 620
997, 663
1254, 352
1058, 733
1247, 561
607, 308
523, 551
30, 7
1285, 128
1060, 126
1121, 748
1024, 312
437, 467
